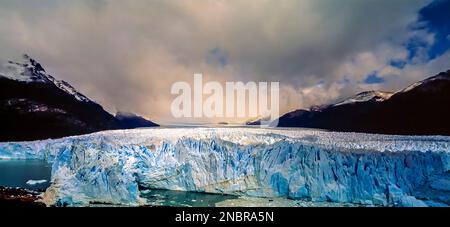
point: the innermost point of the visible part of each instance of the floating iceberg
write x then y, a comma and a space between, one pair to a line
34, 182
111, 166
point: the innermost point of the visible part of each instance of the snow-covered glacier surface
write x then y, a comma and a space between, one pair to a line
112, 166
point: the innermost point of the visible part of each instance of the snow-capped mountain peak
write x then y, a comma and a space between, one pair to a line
63, 85
377, 96
28, 70
440, 76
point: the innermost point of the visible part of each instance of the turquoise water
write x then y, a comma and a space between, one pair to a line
195, 199
183, 199
16, 173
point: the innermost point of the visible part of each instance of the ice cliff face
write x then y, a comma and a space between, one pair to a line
111, 166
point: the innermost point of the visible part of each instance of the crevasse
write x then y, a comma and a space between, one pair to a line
111, 166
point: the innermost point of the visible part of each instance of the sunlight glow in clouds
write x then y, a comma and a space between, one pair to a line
127, 54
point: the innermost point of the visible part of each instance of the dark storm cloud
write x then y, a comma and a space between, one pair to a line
126, 54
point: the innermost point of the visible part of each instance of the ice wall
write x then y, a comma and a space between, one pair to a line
110, 166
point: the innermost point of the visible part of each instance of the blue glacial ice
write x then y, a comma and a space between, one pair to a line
111, 166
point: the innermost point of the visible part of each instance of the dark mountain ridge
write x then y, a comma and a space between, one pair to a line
34, 105
131, 120
420, 109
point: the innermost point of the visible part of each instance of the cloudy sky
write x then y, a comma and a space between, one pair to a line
126, 54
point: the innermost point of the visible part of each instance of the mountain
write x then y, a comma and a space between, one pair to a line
367, 96
257, 121
130, 120
420, 109
35, 105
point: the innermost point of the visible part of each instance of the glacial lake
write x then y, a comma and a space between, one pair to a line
16, 173
195, 199
182, 198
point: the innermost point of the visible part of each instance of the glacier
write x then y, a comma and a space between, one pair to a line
370, 169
